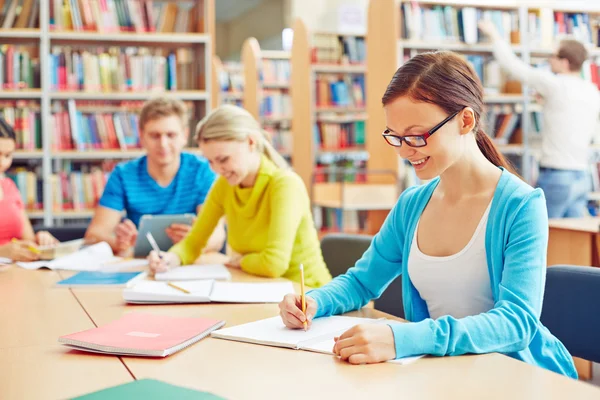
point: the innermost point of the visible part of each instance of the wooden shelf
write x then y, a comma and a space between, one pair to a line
28, 154
359, 151
97, 154
339, 69
275, 54
24, 34
35, 214
355, 196
341, 119
494, 4
72, 214
503, 98
232, 96
184, 95
21, 94
455, 46
344, 109
511, 148
146, 38
594, 196
276, 119
276, 85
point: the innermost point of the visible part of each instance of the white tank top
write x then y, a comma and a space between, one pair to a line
458, 285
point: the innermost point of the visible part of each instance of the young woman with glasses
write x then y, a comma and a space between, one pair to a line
471, 244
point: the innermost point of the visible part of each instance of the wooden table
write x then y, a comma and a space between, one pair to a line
574, 241
245, 371
32, 363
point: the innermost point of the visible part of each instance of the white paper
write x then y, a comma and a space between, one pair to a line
195, 272
239, 292
4, 260
161, 292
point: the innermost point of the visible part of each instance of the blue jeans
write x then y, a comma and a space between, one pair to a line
566, 192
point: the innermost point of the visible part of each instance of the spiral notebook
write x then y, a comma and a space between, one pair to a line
140, 334
319, 338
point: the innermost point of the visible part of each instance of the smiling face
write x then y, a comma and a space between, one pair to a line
232, 159
444, 147
164, 139
7, 148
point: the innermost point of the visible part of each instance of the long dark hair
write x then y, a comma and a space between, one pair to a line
447, 80
6, 131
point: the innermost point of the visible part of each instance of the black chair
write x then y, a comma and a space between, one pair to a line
570, 310
341, 251
65, 233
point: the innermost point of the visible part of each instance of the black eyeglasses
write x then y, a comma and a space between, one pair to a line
415, 140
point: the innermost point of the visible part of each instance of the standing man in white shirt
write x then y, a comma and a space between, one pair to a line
570, 117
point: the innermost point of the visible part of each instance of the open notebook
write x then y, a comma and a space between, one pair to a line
195, 273
319, 338
139, 334
91, 258
206, 291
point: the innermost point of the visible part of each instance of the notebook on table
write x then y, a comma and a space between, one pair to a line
96, 257
195, 273
102, 279
60, 249
148, 389
206, 291
319, 338
144, 335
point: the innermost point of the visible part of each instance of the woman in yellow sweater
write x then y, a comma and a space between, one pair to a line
266, 205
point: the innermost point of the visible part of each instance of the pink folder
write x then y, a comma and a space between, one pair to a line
141, 334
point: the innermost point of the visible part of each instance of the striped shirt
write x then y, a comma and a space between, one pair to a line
132, 189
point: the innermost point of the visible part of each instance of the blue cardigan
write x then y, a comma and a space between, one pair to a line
516, 244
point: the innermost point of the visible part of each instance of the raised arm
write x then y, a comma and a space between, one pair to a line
378, 267
190, 248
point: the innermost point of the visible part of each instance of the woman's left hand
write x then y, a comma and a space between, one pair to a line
235, 261
366, 344
44, 238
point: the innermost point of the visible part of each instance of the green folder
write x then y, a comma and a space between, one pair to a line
149, 389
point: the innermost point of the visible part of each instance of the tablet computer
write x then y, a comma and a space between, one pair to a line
156, 224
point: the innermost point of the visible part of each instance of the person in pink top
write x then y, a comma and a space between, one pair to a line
14, 223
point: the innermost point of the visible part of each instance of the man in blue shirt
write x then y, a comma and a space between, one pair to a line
164, 181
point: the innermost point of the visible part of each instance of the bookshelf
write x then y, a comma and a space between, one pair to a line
178, 39
228, 82
267, 92
328, 92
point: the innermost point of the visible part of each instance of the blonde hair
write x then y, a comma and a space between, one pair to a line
162, 107
229, 122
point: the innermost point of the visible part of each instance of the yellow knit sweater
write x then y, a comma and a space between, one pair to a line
269, 224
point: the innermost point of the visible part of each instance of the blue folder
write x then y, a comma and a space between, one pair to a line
98, 278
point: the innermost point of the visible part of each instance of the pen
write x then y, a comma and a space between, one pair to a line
31, 248
178, 287
153, 244
303, 296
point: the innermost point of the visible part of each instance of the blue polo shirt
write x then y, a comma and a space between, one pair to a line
132, 189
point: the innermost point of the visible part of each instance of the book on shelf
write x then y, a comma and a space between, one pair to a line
334, 90
275, 104
120, 69
281, 138
337, 49
231, 78
337, 220
19, 67
339, 136
30, 184
77, 130
24, 117
19, 14
124, 16
455, 24
275, 72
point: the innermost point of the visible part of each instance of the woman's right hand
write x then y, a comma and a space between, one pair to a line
19, 251
291, 313
162, 262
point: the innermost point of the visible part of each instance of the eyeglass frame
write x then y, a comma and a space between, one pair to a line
424, 136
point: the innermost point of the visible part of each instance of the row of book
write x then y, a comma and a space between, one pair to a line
329, 220
77, 130
544, 26
19, 14
591, 71
275, 103
340, 90
275, 72
231, 78
19, 69
339, 136
454, 24
123, 15
341, 167
334, 49
504, 123
281, 138
25, 118
118, 69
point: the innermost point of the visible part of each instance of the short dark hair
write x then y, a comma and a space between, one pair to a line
574, 52
6, 131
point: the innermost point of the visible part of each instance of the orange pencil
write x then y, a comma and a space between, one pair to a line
303, 296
